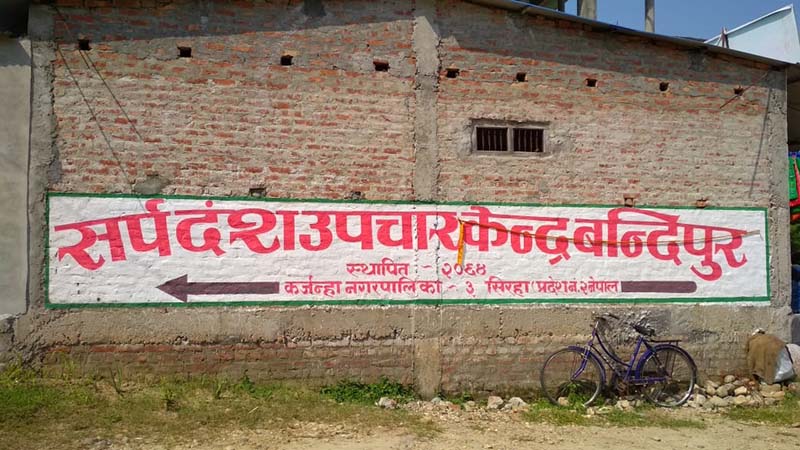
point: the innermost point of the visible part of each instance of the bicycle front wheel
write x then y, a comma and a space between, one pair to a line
669, 375
571, 376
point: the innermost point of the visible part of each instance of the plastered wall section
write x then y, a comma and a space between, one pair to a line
15, 90
129, 115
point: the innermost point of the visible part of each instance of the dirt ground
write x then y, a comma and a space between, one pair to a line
506, 432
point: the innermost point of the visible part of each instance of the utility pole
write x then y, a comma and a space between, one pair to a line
650, 16
587, 9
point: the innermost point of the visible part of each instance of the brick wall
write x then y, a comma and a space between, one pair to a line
624, 136
232, 118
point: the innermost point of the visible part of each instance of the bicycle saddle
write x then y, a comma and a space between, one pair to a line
643, 330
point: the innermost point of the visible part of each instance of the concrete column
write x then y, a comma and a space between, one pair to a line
43, 157
587, 9
650, 16
427, 353
15, 90
426, 80
773, 143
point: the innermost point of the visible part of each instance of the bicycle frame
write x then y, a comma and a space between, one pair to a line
628, 372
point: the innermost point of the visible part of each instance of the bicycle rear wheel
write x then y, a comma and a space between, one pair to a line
673, 375
573, 376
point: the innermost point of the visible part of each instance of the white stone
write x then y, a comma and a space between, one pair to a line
722, 391
729, 379
711, 384
740, 400
766, 388
623, 405
700, 399
388, 403
516, 403
495, 402
778, 395
741, 390
563, 401
718, 402
604, 410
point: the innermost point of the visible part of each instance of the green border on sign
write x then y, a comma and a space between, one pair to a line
435, 302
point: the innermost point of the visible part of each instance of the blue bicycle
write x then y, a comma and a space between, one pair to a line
664, 371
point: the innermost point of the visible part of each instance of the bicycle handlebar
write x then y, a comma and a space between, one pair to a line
607, 316
641, 329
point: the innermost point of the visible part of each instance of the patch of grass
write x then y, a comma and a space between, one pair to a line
458, 399
348, 391
787, 412
543, 411
40, 413
576, 415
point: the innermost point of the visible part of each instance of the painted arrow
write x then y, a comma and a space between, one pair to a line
181, 288
669, 287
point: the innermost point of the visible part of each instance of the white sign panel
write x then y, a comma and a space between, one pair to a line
120, 250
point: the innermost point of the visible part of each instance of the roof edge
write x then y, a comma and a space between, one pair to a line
789, 7
523, 7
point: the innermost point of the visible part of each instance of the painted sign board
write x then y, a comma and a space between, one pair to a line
126, 250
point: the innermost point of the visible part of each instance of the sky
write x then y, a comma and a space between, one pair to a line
686, 18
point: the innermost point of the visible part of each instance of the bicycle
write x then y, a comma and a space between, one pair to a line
664, 370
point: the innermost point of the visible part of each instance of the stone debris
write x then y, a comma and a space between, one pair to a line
697, 401
718, 402
494, 402
623, 405
735, 391
778, 395
707, 398
515, 404
604, 410
387, 403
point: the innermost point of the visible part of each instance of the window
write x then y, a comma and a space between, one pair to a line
508, 139
491, 139
528, 140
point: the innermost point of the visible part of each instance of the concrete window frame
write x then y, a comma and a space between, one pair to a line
509, 127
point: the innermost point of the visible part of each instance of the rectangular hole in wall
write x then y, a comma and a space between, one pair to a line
491, 139
381, 66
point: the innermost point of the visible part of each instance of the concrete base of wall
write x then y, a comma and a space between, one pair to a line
451, 349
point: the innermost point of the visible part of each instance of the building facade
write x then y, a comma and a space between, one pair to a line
465, 119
